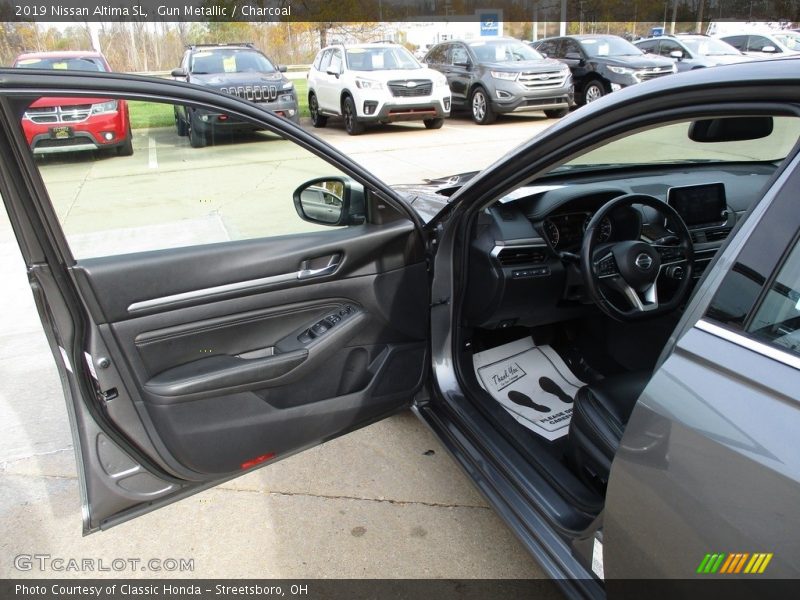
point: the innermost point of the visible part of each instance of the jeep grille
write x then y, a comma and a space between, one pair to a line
253, 93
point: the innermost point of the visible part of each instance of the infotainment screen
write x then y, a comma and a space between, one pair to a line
699, 204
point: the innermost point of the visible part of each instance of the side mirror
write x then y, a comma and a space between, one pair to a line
769, 49
282, 68
330, 201
544, 54
332, 71
464, 65
676, 54
179, 72
573, 56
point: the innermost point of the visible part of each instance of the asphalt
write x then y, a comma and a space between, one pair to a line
385, 501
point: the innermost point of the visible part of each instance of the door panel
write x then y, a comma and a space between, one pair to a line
192, 362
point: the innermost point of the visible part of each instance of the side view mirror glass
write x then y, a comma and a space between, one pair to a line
330, 201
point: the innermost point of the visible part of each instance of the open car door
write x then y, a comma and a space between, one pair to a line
203, 325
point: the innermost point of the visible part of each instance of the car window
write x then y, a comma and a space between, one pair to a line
381, 58
437, 56
670, 144
737, 41
648, 47
549, 47
165, 194
777, 319
336, 61
458, 54
789, 39
61, 63
569, 46
318, 60
326, 60
609, 46
504, 51
229, 60
756, 43
709, 47
668, 46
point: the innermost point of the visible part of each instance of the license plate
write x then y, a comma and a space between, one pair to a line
60, 133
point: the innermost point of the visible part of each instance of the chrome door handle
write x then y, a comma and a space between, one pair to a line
306, 273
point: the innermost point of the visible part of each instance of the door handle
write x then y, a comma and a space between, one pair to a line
308, 270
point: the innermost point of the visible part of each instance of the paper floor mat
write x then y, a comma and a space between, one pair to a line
532, 383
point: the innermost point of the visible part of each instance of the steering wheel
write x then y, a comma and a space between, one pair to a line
633, 267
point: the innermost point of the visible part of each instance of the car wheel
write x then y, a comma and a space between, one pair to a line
351, 123
197, 139
482, 112
126, 147
317, 120
556, 113
594, 90
433, 123
180, 125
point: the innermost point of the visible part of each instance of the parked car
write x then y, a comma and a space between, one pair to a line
57, 124
502, 75
764, 44
375, 83
602, 64
692, 51
238, 69
603, 328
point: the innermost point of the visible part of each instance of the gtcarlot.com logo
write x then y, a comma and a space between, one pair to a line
61, 564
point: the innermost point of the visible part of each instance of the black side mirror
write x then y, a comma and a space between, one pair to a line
333, 201
179, 72
464, 65
282, 68
574, 56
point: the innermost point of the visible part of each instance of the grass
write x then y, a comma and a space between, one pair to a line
156, 114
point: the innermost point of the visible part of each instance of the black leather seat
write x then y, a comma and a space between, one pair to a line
599, 416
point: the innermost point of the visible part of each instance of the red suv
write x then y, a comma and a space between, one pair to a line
56, 124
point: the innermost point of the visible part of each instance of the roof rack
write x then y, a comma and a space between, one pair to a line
382, 42
248, 44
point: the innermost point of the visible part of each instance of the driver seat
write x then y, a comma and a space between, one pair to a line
599, 416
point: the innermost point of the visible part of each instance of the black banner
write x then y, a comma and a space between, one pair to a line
584, 11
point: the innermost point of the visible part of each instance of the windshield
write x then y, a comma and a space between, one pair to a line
609, 46
789, 39
380, 59
670, 144
709, 47
229, 60
66, 64
504, 51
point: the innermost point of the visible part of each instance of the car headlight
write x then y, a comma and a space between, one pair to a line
288, 85
504, 75
368, 84
105, 107
441, 82
621, 70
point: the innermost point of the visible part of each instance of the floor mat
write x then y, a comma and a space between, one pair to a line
532, 383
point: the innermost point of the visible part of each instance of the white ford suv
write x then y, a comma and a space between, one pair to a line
375, 83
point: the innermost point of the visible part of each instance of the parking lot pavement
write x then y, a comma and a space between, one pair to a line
376, 503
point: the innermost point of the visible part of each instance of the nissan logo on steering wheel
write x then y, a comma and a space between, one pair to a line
643, 261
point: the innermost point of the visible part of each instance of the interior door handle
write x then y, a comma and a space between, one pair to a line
308, 268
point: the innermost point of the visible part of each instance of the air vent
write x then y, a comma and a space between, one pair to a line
714, 235
513, 256
698, 237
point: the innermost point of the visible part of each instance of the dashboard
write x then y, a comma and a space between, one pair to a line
523, 258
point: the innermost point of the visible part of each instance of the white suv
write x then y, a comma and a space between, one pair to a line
375, 83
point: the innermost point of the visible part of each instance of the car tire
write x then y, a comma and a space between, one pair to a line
126, 147
317, 120
433, 123
481, 107
556, 113
351, 122
594, 90
196, 138
181, 125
